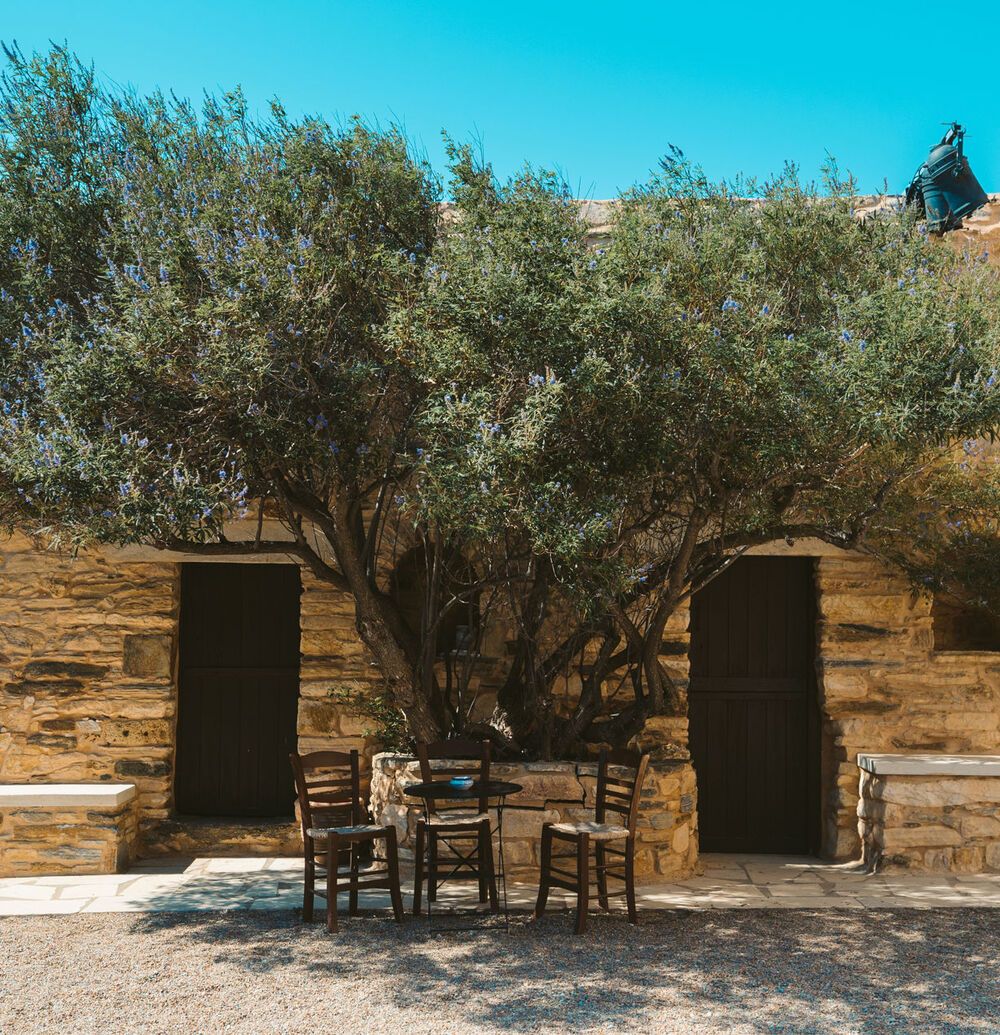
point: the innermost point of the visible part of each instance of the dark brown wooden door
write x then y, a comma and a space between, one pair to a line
238, 689
752, 707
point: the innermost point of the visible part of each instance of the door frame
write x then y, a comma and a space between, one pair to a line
815, 759
227, 817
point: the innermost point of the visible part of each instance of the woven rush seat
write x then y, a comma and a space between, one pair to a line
597, 831
455, 818
364, 828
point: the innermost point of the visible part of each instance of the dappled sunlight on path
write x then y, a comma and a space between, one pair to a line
726, 882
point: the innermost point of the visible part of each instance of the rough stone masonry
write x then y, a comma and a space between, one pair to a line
88, 694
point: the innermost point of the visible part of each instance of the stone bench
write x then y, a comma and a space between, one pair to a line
67, 828
930, 812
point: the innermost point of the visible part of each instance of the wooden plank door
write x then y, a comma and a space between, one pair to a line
752, 707
238, 688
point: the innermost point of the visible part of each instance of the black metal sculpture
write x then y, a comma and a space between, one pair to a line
944, 187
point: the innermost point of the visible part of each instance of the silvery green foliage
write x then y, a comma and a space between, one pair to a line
228, 328
755, 364
613, 421
200, 310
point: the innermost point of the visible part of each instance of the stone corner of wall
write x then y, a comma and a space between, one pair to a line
930, 822
67, 834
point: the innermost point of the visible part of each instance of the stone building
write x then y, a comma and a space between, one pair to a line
190, 682
95, 687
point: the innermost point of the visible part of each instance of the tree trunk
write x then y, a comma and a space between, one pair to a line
400, 675
384, 633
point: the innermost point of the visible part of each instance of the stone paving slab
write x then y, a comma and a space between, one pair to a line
726, 882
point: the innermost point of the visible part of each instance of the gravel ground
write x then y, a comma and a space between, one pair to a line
830, 971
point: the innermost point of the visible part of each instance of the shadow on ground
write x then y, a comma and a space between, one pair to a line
829, 971
822, 971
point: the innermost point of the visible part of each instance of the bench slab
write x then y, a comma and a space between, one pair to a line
49, 795
930, 765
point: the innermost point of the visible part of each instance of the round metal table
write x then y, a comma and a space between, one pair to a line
444, 790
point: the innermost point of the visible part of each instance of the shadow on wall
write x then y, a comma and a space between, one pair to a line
961, 627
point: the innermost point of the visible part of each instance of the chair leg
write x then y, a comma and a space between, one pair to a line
355, 866
582, 881
418, 869
392, 864
602, 875
432, 867
486, 860
482, 864
332, 861
309, 891
544, 874
633, 916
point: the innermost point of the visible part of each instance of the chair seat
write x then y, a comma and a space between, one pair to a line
597, 831
364, 828
456, 818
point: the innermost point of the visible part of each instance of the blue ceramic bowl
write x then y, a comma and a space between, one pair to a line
461, 781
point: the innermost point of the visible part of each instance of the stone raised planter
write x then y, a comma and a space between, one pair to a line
56, 829
554, 791
930, 812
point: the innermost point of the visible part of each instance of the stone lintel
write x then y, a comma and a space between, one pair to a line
930, 765
62, 795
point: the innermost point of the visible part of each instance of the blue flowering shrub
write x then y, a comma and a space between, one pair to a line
610, 423
208, 317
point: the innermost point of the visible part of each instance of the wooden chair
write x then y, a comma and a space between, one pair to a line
618, 795
334, 831
464, 832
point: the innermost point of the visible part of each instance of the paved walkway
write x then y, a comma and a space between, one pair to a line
727, 882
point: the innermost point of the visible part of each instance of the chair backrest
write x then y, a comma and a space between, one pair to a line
328, 786
618, 792
455, 749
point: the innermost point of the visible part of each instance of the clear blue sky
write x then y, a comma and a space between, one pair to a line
596, 90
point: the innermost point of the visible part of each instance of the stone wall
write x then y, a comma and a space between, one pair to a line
88, 685
88, 690
666, 844
86, 672
334, 663
883, 687
936, 821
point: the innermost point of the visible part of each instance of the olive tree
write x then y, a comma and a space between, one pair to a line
223, 353
210, 317
732, 364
